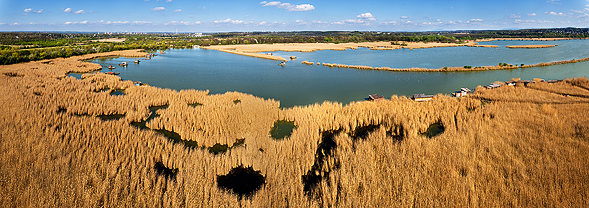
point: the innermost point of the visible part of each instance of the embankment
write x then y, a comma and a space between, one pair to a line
530, 46
449, 69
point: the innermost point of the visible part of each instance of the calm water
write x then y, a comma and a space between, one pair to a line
299, 84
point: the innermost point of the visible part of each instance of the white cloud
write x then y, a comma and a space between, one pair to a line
29, 10
228, 21
404, 17
158, 9
515, 16
554, 1
141, 22
70, 10
75, 23
532, 14
518, 21
555, 14
288, 6
168, 0
366, 16
15, 24
576, 11
178, 10
476, 20
318, 22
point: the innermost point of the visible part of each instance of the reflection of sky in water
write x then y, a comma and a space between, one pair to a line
300, 84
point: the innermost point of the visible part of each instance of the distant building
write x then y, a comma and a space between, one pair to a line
491, 86
422, 97
462, 92
375, 97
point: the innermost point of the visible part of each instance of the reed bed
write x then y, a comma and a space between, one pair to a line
509, 152
570, 87
535, 93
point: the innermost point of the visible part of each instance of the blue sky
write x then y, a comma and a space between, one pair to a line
288, 15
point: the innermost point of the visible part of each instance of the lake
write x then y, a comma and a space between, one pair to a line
300, 84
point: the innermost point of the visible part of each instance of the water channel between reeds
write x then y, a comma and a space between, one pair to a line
300, 84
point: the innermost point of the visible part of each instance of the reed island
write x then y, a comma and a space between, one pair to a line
103, 141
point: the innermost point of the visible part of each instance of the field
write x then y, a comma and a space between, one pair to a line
66, 142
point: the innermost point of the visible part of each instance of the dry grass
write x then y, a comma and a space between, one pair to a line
528, 148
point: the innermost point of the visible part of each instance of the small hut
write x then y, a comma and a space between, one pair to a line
375, 97
422, 97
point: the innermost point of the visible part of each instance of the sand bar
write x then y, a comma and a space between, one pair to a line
531, 46
254, 50
311, 47
528, 39
447, 69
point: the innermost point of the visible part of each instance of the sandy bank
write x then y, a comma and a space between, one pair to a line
531, 46
256, 55
527, 39
254, 50
311, 47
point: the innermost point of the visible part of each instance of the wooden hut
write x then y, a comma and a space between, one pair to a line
422, 97
375, 97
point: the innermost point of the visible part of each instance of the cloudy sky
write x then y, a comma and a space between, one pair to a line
290, 15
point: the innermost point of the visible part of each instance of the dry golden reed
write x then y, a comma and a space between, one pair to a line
523, 146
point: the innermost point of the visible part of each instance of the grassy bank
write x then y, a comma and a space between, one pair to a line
516, 146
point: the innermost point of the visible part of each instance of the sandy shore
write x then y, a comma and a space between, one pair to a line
254, 50
311, 47
531, 46
528, 39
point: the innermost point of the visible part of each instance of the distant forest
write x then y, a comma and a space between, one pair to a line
17, 47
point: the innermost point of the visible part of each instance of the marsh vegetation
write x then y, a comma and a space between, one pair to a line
524, 146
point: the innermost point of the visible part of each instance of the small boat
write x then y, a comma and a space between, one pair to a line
137, 83
112, 73
282, 63
111, 67
136, 61
123, 64
293, 57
